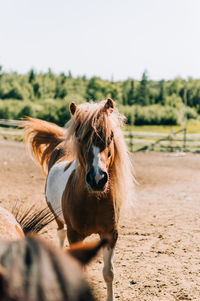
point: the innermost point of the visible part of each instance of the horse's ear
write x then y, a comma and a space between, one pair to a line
85, 252
72, 107
109, 105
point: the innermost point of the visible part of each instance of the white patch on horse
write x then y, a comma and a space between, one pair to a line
56, 182
97, 164
108, 272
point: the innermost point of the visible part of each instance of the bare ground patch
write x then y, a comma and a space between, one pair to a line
159, 243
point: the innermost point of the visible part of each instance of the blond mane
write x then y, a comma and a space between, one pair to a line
91, 118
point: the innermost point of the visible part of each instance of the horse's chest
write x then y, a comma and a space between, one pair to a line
93, 216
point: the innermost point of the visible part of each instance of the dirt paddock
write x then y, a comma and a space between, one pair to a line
158, 253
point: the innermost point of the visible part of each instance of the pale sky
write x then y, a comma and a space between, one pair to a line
116, 39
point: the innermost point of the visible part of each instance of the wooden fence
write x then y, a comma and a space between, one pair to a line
10, 122
174, 141
9, 128
137, 141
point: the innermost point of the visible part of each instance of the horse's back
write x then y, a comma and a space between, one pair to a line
55, 185
10, 229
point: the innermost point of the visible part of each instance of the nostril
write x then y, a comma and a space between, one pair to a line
104, 178
98, 181
88, 178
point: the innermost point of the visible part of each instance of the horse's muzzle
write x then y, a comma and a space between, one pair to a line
96, 181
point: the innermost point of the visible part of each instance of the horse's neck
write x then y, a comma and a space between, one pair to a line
85, 200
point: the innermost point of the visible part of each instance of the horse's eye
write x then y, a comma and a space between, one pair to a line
109, 154
110, 139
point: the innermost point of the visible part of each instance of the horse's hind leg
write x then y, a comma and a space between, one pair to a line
61, 232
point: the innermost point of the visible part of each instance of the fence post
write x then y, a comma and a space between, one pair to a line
184, 139
131, 141
171, 138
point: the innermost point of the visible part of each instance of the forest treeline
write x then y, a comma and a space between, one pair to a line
47, 96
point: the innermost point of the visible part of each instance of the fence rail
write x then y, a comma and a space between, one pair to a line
136, 141
10, 122
174, 141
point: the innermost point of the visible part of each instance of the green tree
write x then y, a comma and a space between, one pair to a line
50, 74
13, 93
162, 93
70, 74
25, 111
63, 78
125, 89
31, 76
60, 91
36, 90
114, 93
95, 90
131, 94
143, 91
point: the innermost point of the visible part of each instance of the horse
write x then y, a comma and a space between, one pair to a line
10, 228
89, 173
19, 222
32, 270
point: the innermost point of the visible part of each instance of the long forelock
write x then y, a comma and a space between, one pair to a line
90, 121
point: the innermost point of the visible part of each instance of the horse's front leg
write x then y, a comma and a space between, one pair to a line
108, 270
61, 232
73, 236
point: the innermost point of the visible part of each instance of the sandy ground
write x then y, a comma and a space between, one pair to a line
159, 243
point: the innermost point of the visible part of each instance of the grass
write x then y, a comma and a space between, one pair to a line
193, 127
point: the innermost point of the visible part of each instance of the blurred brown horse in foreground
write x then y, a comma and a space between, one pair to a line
32, 270
89, 173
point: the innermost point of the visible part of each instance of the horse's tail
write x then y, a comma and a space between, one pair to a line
84, 253
42, 137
